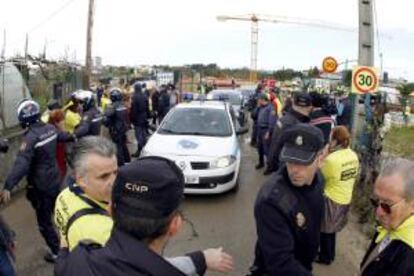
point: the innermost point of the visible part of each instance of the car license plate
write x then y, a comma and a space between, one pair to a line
192, 179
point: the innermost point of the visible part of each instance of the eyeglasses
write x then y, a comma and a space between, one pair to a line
387, 208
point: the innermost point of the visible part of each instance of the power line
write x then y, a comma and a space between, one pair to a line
53, 14
377, 28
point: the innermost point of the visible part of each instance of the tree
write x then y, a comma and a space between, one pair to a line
405, 91
314, 72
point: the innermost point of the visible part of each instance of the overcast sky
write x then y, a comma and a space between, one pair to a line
133, 32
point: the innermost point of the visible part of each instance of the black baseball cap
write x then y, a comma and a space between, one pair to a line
301, 143
150, 187
302, 99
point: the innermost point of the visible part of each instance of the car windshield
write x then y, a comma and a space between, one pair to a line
197, 121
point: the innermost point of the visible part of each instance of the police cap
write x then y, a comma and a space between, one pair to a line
302, 99
150, 187
301, 143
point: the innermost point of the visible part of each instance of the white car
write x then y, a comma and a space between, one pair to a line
201, 138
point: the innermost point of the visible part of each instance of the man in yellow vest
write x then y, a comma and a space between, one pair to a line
392, 249
81, 210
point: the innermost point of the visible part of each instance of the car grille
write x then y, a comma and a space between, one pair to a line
217, 179
200, 165
211, 182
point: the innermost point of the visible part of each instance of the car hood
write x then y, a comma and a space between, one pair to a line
165, 144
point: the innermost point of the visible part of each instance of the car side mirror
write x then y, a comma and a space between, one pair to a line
242, 130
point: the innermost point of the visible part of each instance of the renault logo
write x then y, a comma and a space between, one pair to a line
182, 165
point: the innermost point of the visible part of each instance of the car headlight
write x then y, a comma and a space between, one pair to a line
223, 162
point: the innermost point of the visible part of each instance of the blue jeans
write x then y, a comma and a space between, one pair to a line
6, 267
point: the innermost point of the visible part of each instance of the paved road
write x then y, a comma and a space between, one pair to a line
223, 220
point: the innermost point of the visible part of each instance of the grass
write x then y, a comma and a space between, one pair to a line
399, 142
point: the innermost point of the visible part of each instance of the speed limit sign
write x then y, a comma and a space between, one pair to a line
329, 65
364, 79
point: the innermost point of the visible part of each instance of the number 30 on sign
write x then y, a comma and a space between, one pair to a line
364, 80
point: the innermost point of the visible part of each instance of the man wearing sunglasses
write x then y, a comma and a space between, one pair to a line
392, 249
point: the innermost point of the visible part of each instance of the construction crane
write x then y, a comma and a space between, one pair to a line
254, 19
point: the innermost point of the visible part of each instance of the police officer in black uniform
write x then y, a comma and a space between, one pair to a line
145, 200
253, 108
163, 103
139, 117
117, 121
37, 160
265, 123
297, 113
289, 207
91, 117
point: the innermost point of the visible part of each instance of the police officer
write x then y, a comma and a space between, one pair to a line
99, 94
321, 115
266, 120
253, 106
155, 96
289, 207
37, 160
139, 117
163, 103
298, 113
116, 119
91, 121
145, 201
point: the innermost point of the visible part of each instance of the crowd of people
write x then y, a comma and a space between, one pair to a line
306, 142
101, 212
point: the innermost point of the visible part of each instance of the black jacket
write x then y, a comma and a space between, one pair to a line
290, 118
397, 259
139, 109
164, 103
117, 121
155, 97
122, 255
322, 120
90, 124
37, 158
288, 220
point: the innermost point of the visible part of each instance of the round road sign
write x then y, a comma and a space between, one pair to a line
364, 79
329, 65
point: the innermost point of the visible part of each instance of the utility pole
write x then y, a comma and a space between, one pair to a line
88, 60
370, 141
366, 33
365, 53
